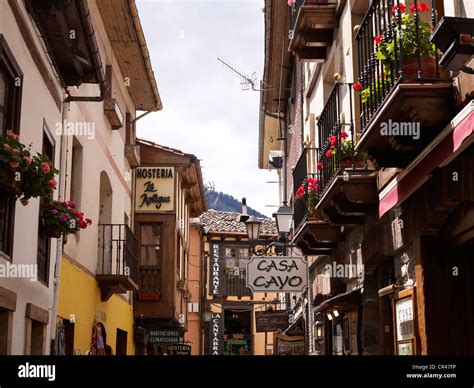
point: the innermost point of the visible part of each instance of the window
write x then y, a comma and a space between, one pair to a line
76, 172
121, 343
38, 330
150, 257
44, 242
5, 331
11, 84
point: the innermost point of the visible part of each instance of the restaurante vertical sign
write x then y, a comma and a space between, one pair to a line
216, 270
155, 188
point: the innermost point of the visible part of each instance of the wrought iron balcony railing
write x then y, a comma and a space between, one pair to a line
393, 47
117, 251
302, 197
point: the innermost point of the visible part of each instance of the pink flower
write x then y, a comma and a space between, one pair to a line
319, 166
72, 204
6, 146
291, 3
13, 135
14, 164
65, 203
357, 86
54, 211
344, 135
27, 159
16, 151
64, 217
52, 182
328, 153
89, 221
333, 140
82, 224
312, 184
378, 39
24, 201
45, 167
402, 8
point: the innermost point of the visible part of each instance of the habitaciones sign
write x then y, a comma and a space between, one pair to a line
277, 274
155, 188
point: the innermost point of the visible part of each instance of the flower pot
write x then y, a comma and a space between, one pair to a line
52, 231
8, 184
358, 163
428, 68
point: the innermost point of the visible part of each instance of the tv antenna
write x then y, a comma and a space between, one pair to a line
247, 82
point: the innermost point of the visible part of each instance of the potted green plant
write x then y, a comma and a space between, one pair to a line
63, 218
414, 44
348, 158
15, 159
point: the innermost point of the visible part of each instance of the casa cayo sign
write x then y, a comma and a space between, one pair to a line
155, 188
277, 274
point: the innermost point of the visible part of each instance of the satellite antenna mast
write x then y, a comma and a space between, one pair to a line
246, 82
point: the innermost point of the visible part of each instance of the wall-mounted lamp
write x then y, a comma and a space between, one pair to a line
336, 313
329, 316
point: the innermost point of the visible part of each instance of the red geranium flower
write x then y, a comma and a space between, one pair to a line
333, 140
357, 86
52, 182
344, 134
422, 7
312, 184
378, 39
402, 8
300, 192
45, 167
319, 166
328, 153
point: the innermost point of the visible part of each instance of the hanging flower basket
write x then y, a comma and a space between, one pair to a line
53, 231
63, 218
9, 185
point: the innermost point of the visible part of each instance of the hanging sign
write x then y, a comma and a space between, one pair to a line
277, 274
154, 189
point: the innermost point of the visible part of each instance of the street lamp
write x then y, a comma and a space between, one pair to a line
283, 217
253, 225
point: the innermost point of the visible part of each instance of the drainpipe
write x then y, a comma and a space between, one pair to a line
59, 242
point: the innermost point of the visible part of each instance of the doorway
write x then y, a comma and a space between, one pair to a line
237, 332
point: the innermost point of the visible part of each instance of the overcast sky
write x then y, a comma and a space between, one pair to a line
205, 112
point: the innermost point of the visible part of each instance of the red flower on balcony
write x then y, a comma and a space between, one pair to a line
328, 153
300, 191
333, 140
357, 86
291, 3
344, 135
401, 7
319, 166
422, 7
378, 39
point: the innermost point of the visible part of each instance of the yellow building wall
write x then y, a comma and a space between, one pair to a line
79, 296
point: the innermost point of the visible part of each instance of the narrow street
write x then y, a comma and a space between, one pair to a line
218, 178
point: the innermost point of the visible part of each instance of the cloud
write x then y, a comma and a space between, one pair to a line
205, 111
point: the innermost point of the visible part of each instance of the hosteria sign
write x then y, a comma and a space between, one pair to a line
154, 189
277, 274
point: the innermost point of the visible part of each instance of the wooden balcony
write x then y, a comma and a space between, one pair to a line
113, 113
234, 282
406, 99
313, 24
117, 260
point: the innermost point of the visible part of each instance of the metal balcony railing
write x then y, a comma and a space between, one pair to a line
393, 46
117, 251
305, 168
